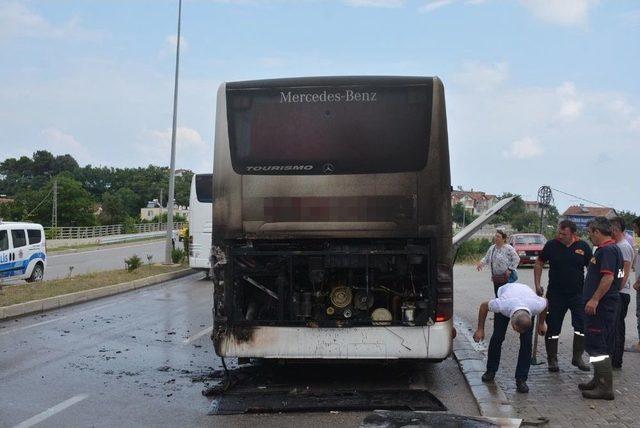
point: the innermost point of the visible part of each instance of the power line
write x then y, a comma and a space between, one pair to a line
578, 197
41, 202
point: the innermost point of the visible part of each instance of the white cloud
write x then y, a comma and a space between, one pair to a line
516, 138
525, 148
172, 41
570, 106
169, 46
481, 76
17, 20
191, 149
376, 3
186, 139
562, 12
435, 4
59, 142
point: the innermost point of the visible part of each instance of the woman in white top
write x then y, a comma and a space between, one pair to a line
503, 260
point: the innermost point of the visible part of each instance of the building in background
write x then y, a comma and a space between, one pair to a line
473, 202
154, 209
532, 206
581, 215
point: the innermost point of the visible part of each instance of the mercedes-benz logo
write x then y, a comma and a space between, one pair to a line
328, 168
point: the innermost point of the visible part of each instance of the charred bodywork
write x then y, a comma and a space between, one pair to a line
332, 218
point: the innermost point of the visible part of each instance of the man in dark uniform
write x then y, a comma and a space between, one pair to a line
601, 297
567, 256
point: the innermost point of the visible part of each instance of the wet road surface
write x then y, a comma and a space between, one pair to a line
129, 360
109, 257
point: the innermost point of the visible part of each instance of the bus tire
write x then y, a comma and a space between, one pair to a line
37, 274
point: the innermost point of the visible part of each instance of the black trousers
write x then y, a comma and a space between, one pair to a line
559, 304
600, 328
500, 326
618, 338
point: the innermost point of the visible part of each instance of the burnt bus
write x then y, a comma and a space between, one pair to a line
332, 219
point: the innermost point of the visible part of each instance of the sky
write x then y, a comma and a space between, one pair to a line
539, 92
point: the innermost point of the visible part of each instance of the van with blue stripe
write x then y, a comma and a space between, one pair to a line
23, 253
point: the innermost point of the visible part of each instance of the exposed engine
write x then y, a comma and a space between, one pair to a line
328, 283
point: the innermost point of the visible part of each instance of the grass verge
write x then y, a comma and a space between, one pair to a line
34, 291
86, 247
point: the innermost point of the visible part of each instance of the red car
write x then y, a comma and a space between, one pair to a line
528, 246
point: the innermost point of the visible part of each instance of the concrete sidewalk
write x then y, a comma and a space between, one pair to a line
554, 396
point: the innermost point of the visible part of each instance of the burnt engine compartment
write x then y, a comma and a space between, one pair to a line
326, 283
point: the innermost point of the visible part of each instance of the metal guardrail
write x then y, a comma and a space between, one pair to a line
108, 230
124, 238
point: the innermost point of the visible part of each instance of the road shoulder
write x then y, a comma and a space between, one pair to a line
42, 305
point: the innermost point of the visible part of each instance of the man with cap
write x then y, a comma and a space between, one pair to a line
601, 297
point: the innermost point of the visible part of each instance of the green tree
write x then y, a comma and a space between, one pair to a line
551, 216
113, 211
528, 221
163, 218
43, 163
183, 189
75, 205
65, 163
628, 217
130, 201
462, 215
517, 207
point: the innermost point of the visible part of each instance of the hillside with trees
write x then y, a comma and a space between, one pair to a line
87, 196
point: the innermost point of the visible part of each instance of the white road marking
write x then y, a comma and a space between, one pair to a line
98, 307
13, 330
53, 256
199, 335
51, 411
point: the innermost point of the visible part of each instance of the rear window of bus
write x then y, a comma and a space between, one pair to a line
362, 130
204, 185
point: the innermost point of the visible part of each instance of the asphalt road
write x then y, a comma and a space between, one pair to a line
129, 360
109, 257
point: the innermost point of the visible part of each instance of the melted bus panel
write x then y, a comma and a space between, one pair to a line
332, 217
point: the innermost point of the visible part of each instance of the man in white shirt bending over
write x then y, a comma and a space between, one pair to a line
516, 304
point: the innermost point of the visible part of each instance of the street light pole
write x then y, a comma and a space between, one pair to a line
172, 171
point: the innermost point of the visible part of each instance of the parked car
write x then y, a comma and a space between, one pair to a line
528, 246
23, 253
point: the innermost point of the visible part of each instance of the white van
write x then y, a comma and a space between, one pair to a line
23, 253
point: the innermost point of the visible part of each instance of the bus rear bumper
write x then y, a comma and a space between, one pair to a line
393, 342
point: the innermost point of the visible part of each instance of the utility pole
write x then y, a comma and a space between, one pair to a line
172, 171
54, 209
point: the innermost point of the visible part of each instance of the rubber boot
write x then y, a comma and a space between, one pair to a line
552, 354
592, 383
578, 350
604, 382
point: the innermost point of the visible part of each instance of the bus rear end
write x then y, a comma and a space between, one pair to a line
332, 219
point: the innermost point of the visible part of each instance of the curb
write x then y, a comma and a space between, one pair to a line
42, 305
490, 398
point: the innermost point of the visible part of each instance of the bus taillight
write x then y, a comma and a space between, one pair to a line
444, 289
